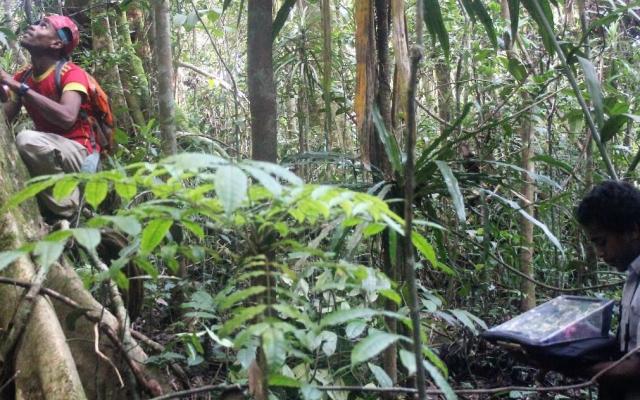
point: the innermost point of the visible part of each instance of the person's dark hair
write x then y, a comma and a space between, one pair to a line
611, 205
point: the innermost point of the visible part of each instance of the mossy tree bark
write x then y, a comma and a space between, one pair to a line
54, 361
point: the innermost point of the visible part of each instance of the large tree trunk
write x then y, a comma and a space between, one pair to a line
326, 74
53, 360
365, 77
526, 227
164, 60
262, 90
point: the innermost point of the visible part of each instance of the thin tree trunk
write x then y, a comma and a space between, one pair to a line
326, 78
109, 76
526, 226
137, 77
165, 76
402, 67
365, 77
262, 91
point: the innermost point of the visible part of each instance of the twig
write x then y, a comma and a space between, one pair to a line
366, 389
96, 347
4, 385
409, 189
595, 133
202, 389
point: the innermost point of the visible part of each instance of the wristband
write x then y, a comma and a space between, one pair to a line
24, 88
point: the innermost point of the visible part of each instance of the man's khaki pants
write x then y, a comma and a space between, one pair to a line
48, 154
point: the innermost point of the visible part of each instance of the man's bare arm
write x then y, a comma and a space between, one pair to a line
63, 114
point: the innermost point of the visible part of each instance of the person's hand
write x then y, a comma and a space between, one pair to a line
4, 88
8, 81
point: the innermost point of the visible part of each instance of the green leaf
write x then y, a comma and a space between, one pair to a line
266, 180
373, 229
454, 190
95, 192
355, 328
390, 294
283, 381
310, 393
128, 225
240, 317
30, 191
408, 360
514, 14
423, 246
153, 234
440, 380
389, 142
371, 346
341, 316
613, 125
594, 88
381, 376
48, 252
547, 40
64, 187
87, 237
329, 342
484, 17
240, 295
194, 228
517, 69
274, 347
435, 24
231, 187
522, 212
126, 190
8, 257
281, 17
547, 159
465, 320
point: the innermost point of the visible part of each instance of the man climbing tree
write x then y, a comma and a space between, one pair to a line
55, 95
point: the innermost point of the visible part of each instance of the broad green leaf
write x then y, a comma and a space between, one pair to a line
231, 187
283, 381
522, 212
65, 187
465, 320
342, 316
423, 246
277, 170
240, 317
30, 191
329, 342
126, 190
595, 89
194, 228
240, 295
514, 14
8, 257
484, 17
613, 125
547, 40
153, 234
391, 294
48, 252
440, 380
310, 393
147, 267
281, 17
454, 190
355, 328
435, 24
128, 225
517, 69
547, 159
274, 346
373, 229
408, 360
87, 237
371, 346
381, 376
266, 180
95, 192
195, 161
389, 142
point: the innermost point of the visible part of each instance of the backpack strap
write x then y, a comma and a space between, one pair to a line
58, 76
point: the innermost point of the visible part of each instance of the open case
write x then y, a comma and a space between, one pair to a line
561, 332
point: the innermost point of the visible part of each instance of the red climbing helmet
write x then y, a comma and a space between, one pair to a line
61, 24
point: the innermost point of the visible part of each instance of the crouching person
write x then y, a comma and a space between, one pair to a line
54, 92
610, 216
